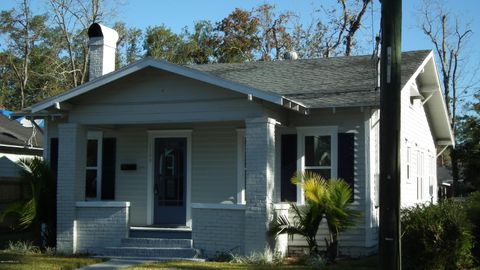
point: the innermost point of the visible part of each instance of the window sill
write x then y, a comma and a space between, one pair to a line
102, 204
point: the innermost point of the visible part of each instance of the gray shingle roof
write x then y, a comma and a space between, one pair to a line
317, 83
13, 133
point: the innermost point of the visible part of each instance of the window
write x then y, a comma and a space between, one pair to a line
408, 163
318, 155
419, 175
317, 148
93, 173
241, 166
432, 167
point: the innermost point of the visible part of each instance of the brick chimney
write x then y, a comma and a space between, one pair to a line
103, 43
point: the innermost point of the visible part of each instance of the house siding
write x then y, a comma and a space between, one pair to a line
131, 186
352, 120
214, 168
164, 98
416, 135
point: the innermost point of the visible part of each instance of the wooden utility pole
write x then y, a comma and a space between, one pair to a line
390, 87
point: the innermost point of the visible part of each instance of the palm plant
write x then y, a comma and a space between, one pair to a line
338, 215
329, 199
307, 218
38, 210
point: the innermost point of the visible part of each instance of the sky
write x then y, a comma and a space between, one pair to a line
177, 14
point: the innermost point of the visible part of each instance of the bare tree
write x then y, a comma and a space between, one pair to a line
449, 38
274, 37
73, 17
340, 28
23, 31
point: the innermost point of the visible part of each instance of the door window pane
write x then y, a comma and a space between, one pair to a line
317, 151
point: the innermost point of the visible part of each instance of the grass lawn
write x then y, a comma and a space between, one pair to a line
42, 262
369, 263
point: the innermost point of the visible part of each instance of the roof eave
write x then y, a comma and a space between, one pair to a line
442, 119
176, 69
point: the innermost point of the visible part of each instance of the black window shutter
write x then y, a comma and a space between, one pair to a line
54, 155
288, 191
346, 157
108, 168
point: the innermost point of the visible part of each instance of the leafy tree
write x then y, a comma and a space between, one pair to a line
38, 211
236, 38
468, 147
198, 47
161, 42
129, 44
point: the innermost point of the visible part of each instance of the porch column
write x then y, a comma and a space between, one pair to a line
70, 182
260, 160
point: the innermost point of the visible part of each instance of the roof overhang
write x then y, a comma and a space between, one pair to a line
433, 101
40, 109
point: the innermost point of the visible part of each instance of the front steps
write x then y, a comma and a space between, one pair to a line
155, 244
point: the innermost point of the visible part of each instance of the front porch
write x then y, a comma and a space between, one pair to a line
218, 182
103, 228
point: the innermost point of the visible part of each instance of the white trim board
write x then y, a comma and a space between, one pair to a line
219, 206
152, 135
315, 131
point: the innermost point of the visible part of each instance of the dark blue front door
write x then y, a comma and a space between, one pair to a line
170, 175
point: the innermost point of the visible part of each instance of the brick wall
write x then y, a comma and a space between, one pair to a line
71, 183
218, 230
99, 224
260, 159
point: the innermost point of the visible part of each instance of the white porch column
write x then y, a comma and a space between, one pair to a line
70, 182
260, 160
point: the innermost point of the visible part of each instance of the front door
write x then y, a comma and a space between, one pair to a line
169, 178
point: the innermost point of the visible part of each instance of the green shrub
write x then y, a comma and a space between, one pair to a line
258, 258
473, 213
436, 237
22, 247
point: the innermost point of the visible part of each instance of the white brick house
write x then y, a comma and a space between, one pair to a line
207, 152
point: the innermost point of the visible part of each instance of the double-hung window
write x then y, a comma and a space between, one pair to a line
317, 152
93, 173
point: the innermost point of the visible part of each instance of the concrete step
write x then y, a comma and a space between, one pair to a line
157, 242
149, 259
162, 233
150, 252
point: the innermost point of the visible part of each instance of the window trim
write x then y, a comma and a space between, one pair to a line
98, 136
302, 132
241, 166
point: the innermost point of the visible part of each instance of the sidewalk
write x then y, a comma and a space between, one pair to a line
112, 264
